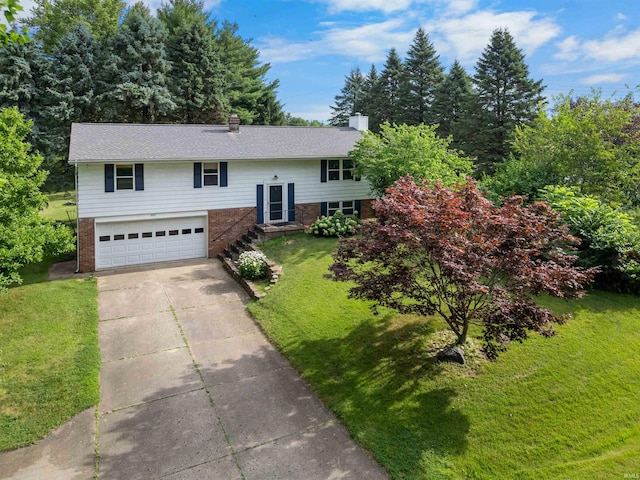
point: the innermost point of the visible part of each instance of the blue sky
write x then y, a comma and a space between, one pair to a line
312, 44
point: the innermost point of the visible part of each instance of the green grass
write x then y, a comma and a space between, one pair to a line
49, 355
59, 208
565, 407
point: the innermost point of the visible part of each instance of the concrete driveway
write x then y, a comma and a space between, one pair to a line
192, 389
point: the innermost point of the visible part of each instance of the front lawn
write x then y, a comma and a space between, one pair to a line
61, 207
562, 407
49, 355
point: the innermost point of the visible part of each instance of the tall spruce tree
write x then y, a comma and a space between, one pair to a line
389, 90
350, 100
71, 97
370, 92
245, 78
139, 91
506, 97
23, 77
424, 73
53, 19
450, 103
196, 79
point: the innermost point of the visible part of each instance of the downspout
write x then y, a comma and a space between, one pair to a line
77, 223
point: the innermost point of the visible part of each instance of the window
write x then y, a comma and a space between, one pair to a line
347, 169
173, 232
161, 233
147, 234
340, 169
132, 236
118, 237
346, 207
199, 230
124, 177
105, 238
210, 174
186, 231
333, 167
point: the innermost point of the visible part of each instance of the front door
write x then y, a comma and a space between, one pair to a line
276, 204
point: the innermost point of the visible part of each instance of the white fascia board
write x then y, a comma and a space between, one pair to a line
150, 216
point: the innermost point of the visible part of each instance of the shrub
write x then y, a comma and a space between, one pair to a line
252, 265
337, 225
610, 238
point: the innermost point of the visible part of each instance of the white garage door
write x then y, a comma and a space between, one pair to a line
146, 241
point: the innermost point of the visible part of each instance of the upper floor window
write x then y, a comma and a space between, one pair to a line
210, 174
124, 177
337, 169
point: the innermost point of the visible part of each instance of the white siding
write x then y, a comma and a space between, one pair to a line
168, 188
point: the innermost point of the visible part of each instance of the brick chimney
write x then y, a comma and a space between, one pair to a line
234, 123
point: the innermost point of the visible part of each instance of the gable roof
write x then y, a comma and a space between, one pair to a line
104, 142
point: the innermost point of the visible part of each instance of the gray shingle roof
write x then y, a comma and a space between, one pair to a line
100, 142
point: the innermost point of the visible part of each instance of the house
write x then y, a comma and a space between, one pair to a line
150, 193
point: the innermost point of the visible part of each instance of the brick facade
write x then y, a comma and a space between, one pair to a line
228, 225
86, 245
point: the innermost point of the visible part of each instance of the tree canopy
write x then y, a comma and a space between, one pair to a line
400, 150
452, 252
24, 236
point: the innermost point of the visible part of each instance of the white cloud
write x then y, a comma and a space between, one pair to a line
320, 112
620, 16
603, 78
386, 6
369, 42
569, 49
466, 36
614, 47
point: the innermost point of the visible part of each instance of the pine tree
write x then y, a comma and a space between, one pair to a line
71, 97
450, 104
23, 75
388, 92
506, 97
245, 78
423, 75
139, 90
370, 93
196, 78
350, 100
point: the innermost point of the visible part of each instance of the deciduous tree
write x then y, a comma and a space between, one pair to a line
24, 236
452, 252
400, 150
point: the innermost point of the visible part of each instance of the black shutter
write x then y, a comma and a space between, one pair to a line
323, 208
139, 176
223, 174
197, 175
291, 202
323, 171
358, 206
260, 204
109, 185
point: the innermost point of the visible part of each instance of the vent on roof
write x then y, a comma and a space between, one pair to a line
234, 123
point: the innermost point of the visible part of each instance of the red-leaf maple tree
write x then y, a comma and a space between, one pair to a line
452, 252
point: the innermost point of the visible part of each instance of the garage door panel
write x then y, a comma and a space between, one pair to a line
132, 243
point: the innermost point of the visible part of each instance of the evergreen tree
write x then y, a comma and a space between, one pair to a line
506, 97
23, 75
423, 75
71, 97
245, 79
138, 91
350, 100
53, 19
450, 102
389, 90
370, 92
196, 79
